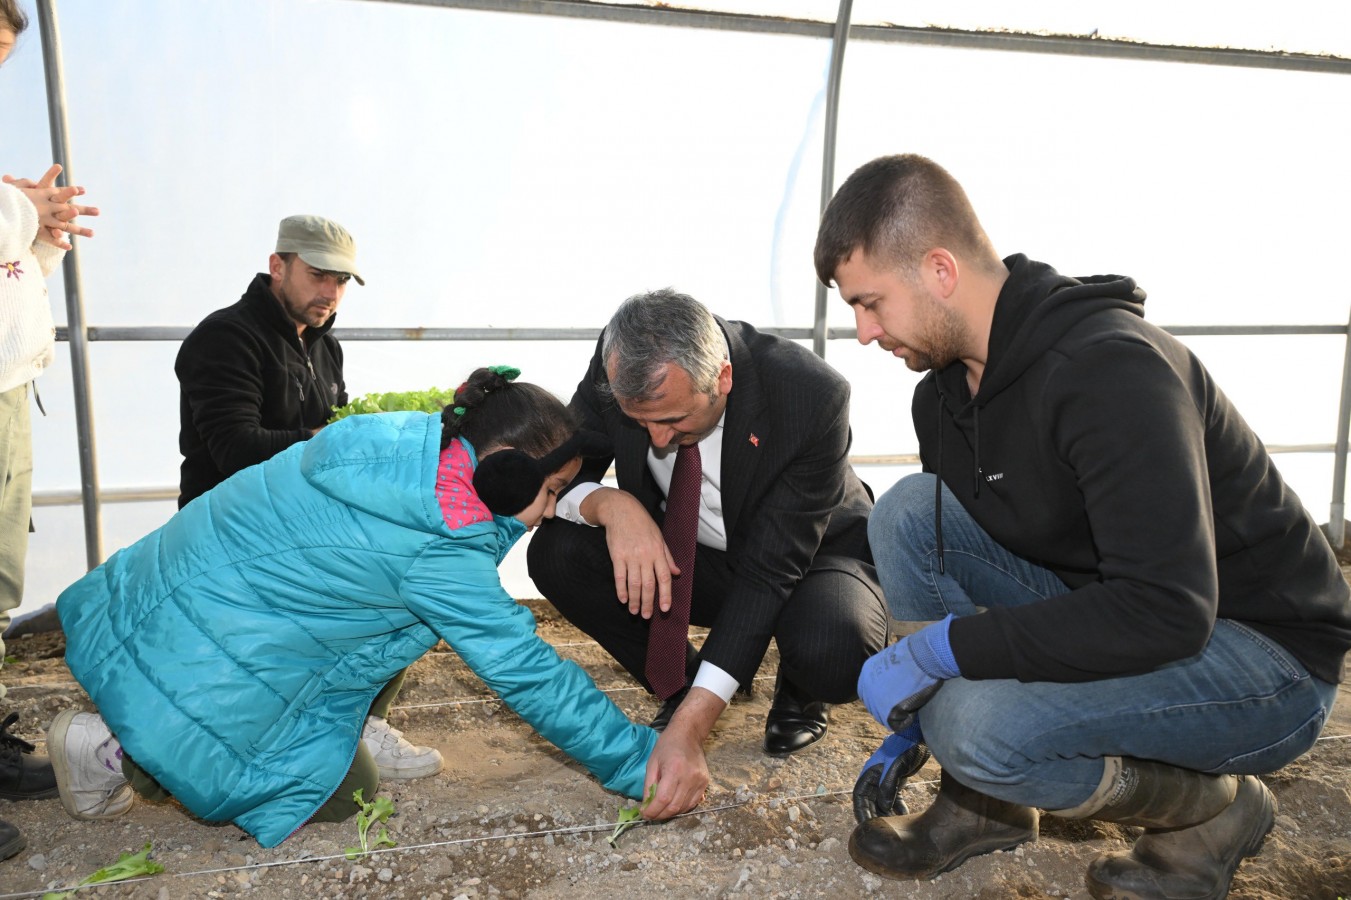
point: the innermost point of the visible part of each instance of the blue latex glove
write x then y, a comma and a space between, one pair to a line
878, 789
896, 682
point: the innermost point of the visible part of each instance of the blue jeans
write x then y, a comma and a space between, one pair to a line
1243, 705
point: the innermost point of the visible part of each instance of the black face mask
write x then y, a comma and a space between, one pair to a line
508, 481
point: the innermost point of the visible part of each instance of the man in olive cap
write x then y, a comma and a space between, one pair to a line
256, 377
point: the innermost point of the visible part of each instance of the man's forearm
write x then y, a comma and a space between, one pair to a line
694, 719
602, 504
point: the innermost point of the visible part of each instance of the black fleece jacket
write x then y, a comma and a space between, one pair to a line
249, 387
1099, 447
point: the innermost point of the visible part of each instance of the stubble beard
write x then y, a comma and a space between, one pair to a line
302, 314
945, 339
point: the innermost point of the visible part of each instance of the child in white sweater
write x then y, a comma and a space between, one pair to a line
35, 217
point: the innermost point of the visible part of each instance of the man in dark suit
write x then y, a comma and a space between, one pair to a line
782, 520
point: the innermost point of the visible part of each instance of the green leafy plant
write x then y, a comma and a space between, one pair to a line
128, 865
377, 811
429, 401
629, 816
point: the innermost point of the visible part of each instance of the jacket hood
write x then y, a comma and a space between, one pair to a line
1036, 306
384, 465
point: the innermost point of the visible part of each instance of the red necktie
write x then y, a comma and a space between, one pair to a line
669, 634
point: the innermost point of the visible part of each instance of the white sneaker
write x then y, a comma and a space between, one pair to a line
88, 764
397, 759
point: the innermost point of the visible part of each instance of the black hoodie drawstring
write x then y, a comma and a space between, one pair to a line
975, 472
938, 482
938, 473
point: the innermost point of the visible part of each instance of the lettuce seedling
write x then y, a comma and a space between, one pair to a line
128, 865
377, 811
629, 816
430, 401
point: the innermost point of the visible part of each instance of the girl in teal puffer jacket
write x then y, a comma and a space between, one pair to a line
233, 654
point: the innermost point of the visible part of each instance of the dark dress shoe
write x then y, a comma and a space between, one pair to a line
668, 708
23, 776
794, 722
11, 841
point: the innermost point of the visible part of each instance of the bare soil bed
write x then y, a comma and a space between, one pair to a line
512, 817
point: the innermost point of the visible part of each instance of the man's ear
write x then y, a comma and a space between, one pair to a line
940, 272
725, 379
275, 265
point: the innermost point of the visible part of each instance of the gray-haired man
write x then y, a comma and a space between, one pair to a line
781, 548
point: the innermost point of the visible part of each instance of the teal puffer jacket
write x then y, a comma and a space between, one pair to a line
236, 650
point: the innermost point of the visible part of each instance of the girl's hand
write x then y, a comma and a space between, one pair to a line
56, 214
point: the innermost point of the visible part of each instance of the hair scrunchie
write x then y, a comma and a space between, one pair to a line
507, 373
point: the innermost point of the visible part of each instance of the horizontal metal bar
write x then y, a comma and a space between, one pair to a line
137, 495
106, 495
1008, 41
1301, 448
1214, 330
640, 15
1103, 48
179, 332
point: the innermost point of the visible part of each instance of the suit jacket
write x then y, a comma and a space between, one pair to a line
788, 491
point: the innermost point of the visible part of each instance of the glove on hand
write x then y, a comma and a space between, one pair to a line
878, 789
896, 682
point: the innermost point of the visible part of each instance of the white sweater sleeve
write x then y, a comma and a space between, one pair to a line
19, 231
25, 314
18, 223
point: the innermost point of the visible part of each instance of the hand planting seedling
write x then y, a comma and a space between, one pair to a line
377, 811
128, 865
629, 816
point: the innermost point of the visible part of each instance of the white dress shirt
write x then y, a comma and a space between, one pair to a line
712, 528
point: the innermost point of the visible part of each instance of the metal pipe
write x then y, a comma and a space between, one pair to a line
419, 333
1011, 41
79, 346
1337, 513
170, 492
108, 495
837, 45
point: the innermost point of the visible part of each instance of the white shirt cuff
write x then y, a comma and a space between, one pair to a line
711, 678
569, 506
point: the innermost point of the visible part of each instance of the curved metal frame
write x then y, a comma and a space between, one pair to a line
79, 344
79, 334
837, 45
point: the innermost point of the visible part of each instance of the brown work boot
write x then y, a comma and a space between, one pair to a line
959, 824
1196, 862
1198, 828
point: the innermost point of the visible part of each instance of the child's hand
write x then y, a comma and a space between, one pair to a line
56, 214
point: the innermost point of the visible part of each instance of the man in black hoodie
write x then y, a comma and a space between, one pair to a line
1135, 615
263, 374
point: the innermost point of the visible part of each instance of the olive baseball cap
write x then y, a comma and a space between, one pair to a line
321, 243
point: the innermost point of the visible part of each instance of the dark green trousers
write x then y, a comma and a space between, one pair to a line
363, 776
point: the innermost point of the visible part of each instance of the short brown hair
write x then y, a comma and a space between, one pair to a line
897, 208
12, 17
